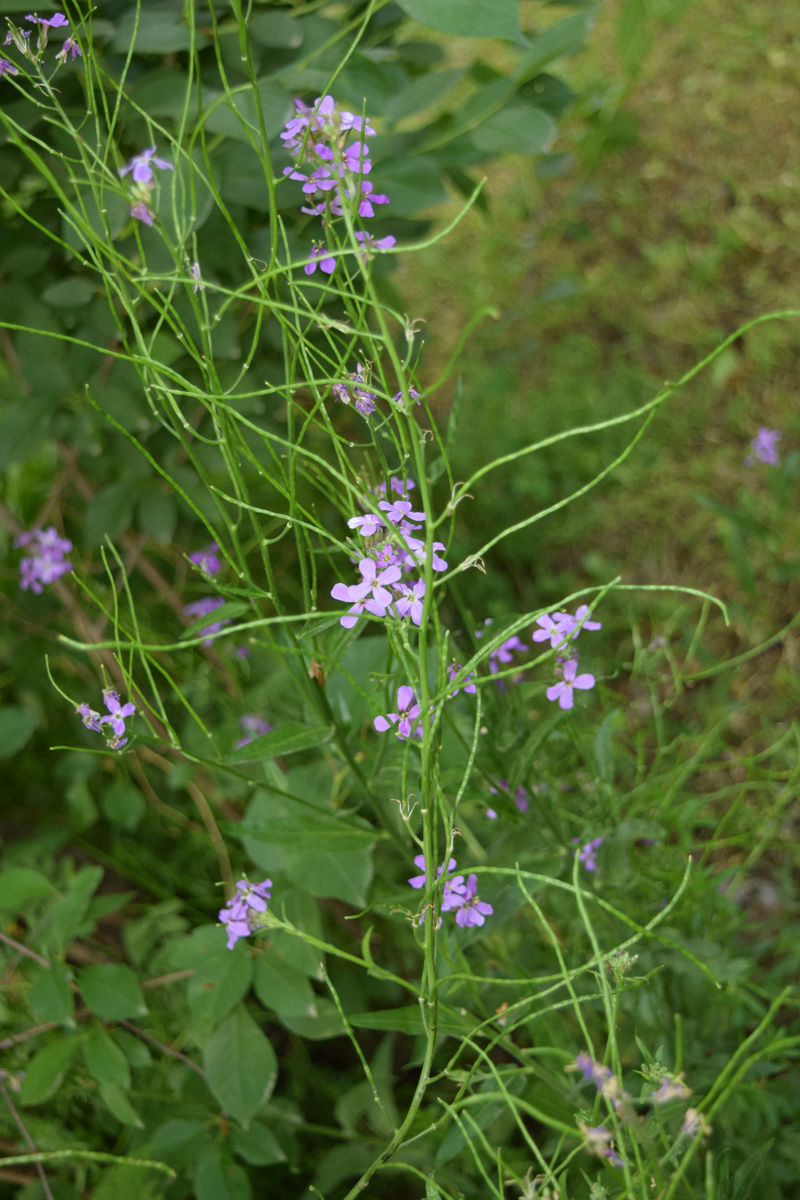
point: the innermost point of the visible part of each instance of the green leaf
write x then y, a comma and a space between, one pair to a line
240, 1065
343, 874
222, 978
69, 914
112, 991
70, 293
225, 612
161, 30
157, 514
120, 1105
516, 130
20, 885
276, 105
414, 182
468, 18
281, 988
104, 1060
16, 729
257, 1145
123, 804
746, 1176
286, 739
278, 30
51, 996
422, 93
326, 1024
217, 1177
111, 511
308, 833
45, 1072
565, 37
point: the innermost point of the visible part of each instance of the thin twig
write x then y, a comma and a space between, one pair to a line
18, 946
29, 1142
15, 1040
162, 980
148, 1037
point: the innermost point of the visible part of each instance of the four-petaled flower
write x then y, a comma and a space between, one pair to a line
469, 909
55, 22
140, 212
372, 594
367, 526
7, 68
248, 898
406, 718
410, 601
371, 245
116, 714
562, 691
467, 686
140, 167
399, 511
70, 47
320, 258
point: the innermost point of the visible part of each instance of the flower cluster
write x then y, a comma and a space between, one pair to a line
140, 169
236, 916
765, 447
392, 550
203, 608
21, 38
332, 169
562, 629
46, 561
602, 1077
115, 717
458, 896
406, 718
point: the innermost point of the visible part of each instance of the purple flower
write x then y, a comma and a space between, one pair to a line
400, 510
367, 525
470, 910
194, 271
249, 898
367, 198
562, 691
591, 1071
140, 166
599, 1142
671, 1088
70, 47
520, 799
450, 891
253, 727
406, 718
418, 881
326, 263
46, 562
371, 245
695, 1123
54, 22
561, 626
116, 718
414, 557
410, 602
395, 485
371, 594
586, 854
468, 686
413, 394
207, 560
364, 402
90, 718
765, 447
202, 608
140, 212
6, 67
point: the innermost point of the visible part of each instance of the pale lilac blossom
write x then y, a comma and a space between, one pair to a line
395, 485
203, 608
467, 686
563, 689
46, 561
55, 22
520, 799
587, 853
7, 67
410, 602
252, 727
371, 245
671, 1087
765, 447
406, 718
371, 594
469, 909
236, 916
413, 394
70, 47
140, 212
367, 526
401, 510
322, 259
141, 166
207, 560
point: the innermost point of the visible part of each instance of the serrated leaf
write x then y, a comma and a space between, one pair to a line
45, 1073
120, 1105
240, 1065
468, 18
286, 739
112, 991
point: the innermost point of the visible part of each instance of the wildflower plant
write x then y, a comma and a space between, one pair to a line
282, 423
